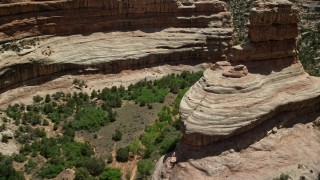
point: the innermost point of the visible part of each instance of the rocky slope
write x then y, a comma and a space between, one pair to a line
263, 82
233, 98
135, 34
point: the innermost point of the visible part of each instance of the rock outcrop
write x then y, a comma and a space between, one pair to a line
133, 34
262, 78
262, 87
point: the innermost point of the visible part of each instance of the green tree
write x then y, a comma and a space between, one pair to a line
94, 166
47, 99
82, 173
37, 98
145, 167
117, 136
110, 174
20, 158
122, 154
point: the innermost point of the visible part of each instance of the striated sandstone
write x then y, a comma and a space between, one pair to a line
113, 52
27, 19
219, 107
136, 34
261, 80
255, 154
239, 119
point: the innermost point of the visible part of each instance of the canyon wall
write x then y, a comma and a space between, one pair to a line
20, 20
133, 34
262, 82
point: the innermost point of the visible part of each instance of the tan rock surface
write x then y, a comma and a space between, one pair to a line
112, 52
217, 107
136, 34
227, 102
256, 154
255, 124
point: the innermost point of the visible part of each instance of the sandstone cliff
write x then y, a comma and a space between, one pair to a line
260, 85
134, 34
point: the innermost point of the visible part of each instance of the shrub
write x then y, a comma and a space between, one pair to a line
7, 171
37, 98
168, 145
55, 126
45, 122
110, 174
20, 158
145, 167
30, 166
142, 103
47, 98
82, 173
110, 159
90, 119
94, 166
122, 154
134, 147
5, 138
51, 170
117, 136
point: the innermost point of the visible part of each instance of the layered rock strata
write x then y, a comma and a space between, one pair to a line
239, 119
134, 34
262, 79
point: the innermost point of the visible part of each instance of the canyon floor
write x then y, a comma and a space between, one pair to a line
24, 92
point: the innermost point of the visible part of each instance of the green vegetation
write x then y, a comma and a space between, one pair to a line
19, 158
60, 152
18, 46
117, 136
145, 168
7, 171
79, 83
158, 139
30, 166
67, 113
240, 11
82, 174
308, 45
122, 154
5, 139
90, 119
309, 49
110, 159
110, 174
